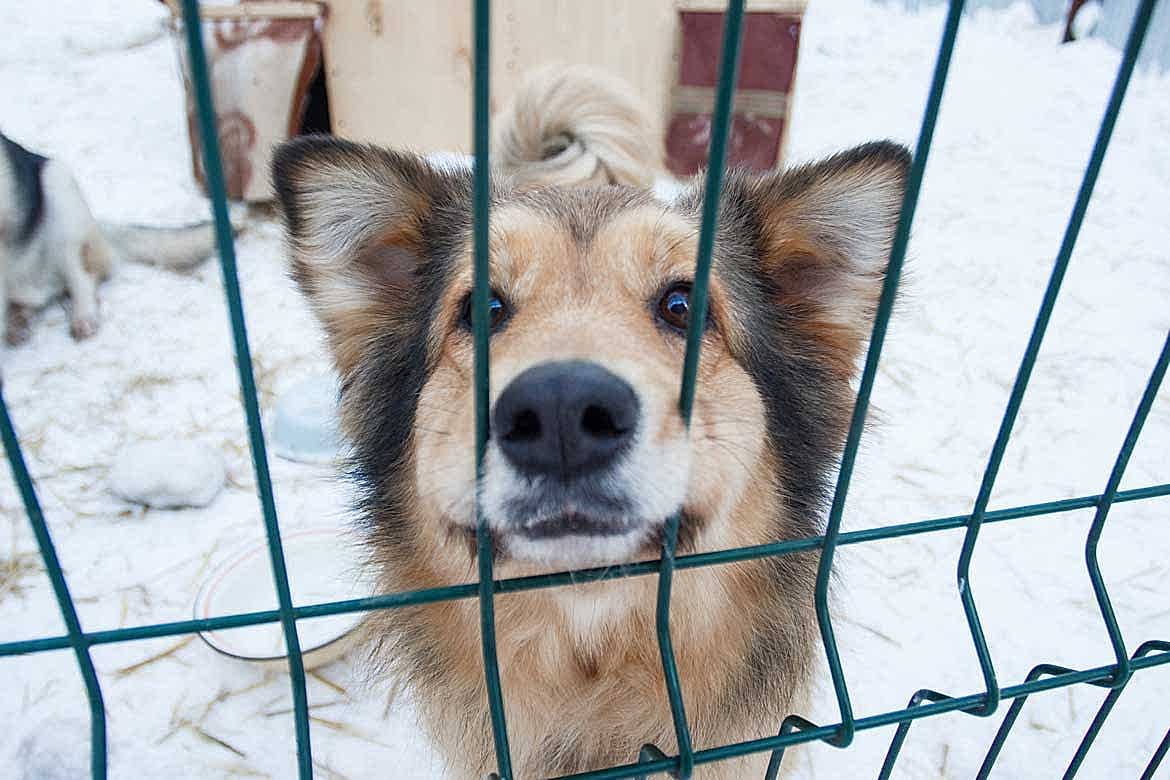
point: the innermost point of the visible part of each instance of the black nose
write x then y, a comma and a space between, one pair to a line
565, 419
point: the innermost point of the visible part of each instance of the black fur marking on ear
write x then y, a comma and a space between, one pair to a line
383, 394
380, 394
800, 393
385, 390
306, 162
386, 387
807, 402
27, 168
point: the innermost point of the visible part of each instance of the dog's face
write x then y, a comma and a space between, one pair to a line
588, 454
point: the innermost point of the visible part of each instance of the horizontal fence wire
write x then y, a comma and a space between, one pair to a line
578, 576
213, 167
648, 755
790, 724
1123, 666
1009, 719
904, 728
794, 730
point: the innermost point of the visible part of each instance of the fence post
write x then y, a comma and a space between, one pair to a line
212, 165
697, 317
481, 328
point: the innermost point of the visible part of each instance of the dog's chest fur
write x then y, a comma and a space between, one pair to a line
579, 702
581, 670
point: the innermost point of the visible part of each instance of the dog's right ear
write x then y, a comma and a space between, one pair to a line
822, 235
364, 226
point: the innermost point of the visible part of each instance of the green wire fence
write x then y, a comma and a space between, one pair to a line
794, 729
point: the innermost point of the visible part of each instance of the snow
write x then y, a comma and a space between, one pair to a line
168, 474
53, 752
91, 84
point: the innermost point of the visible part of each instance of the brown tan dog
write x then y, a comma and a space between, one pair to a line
588, 454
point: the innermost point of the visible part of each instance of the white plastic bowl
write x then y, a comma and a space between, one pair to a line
321, 567
303, 424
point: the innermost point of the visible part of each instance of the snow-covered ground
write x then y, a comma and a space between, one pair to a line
95, 85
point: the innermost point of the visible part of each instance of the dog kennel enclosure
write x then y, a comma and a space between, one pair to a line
1129, 660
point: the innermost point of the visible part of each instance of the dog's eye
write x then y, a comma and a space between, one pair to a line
497, 311
675, 306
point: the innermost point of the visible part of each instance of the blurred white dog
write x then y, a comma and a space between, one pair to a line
50, 244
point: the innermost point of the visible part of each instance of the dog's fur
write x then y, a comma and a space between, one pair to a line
380, 245
50, 244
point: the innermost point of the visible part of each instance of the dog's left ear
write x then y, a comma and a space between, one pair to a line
822, 235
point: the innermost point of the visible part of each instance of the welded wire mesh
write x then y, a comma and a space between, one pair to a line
924, 703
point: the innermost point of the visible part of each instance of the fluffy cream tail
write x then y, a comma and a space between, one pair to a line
571, 125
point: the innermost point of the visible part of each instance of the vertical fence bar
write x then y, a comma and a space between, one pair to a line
647, 754
844, 734
32, 507
213, 167
697, 317
480, 323
904, 729
716, 158
1131, 438
1009, 720
1024, 374
1156, 759
1102, 715
789, 725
